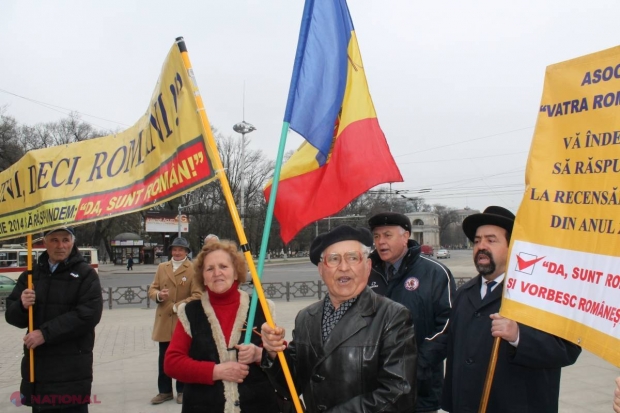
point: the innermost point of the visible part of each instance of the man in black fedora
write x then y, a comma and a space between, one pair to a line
527, 374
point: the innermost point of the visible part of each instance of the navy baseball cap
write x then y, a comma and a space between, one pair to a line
63, 228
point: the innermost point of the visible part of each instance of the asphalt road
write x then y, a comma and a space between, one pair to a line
460, 263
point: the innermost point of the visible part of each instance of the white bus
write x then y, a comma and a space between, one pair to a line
13, 258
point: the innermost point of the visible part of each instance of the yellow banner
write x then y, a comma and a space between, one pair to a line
563, 276
164, 155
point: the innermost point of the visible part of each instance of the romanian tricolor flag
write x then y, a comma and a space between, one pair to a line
345, 152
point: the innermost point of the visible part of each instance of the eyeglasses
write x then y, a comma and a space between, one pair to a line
334, 259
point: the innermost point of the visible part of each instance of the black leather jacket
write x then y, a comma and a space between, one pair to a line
368, 363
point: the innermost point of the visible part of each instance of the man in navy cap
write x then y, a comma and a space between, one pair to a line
425, 287
67, 305
527, 373
354, 351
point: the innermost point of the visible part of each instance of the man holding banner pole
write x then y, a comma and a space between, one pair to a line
67, 302
529, 361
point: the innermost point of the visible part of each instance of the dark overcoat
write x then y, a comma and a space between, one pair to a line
427, 289
527, 377
67, 308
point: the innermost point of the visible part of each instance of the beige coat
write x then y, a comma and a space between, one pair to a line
180, 291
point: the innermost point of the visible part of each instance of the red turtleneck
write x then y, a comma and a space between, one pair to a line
177, 362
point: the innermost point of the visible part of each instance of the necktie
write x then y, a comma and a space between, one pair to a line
391, 272
490, 285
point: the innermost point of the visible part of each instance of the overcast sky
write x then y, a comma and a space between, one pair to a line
456, 85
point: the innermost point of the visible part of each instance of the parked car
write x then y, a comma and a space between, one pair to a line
6, 284
427, 250
443, 254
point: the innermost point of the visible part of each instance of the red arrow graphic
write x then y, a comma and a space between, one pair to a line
523, 264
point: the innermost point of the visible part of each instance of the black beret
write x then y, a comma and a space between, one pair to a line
340, 233
384, 219
493, 215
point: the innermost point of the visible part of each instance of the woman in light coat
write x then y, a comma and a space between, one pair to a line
173, 284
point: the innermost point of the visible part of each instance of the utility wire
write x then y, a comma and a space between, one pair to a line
461, 142
57, 108
464, 159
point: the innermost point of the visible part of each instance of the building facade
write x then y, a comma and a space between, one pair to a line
425, 228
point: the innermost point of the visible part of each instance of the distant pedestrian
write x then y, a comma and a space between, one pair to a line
130, 263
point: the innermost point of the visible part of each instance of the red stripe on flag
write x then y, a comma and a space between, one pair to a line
361, 159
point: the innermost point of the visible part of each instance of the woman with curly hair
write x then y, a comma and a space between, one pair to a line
221, 374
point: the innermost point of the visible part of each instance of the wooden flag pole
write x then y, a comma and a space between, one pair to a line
488, 382
30, 309
230, 201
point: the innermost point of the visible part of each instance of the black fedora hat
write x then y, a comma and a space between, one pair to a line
493, 215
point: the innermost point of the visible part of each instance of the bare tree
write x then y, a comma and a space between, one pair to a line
10, 148
448, 218
68, 130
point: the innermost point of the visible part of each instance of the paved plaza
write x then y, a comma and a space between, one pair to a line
125, 368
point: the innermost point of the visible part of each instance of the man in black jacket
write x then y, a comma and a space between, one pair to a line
67, 305
354, 351
529, 361
421, 284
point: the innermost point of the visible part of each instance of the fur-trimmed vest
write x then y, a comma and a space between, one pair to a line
255, 394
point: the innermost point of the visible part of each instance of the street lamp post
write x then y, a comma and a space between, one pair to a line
243, 127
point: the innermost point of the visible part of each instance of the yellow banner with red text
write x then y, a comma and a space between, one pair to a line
563, 275
164, 155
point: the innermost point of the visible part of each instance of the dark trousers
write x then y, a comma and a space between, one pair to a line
164, 383
82, 408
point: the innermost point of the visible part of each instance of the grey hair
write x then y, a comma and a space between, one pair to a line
211, 237
366, 250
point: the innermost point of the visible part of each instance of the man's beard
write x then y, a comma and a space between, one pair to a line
485, 269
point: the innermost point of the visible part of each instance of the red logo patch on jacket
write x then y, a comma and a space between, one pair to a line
412, 283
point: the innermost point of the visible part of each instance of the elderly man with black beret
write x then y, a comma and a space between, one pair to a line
529, 362
354, 351
425, 287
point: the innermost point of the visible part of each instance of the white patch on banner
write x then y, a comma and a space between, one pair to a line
570, 284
